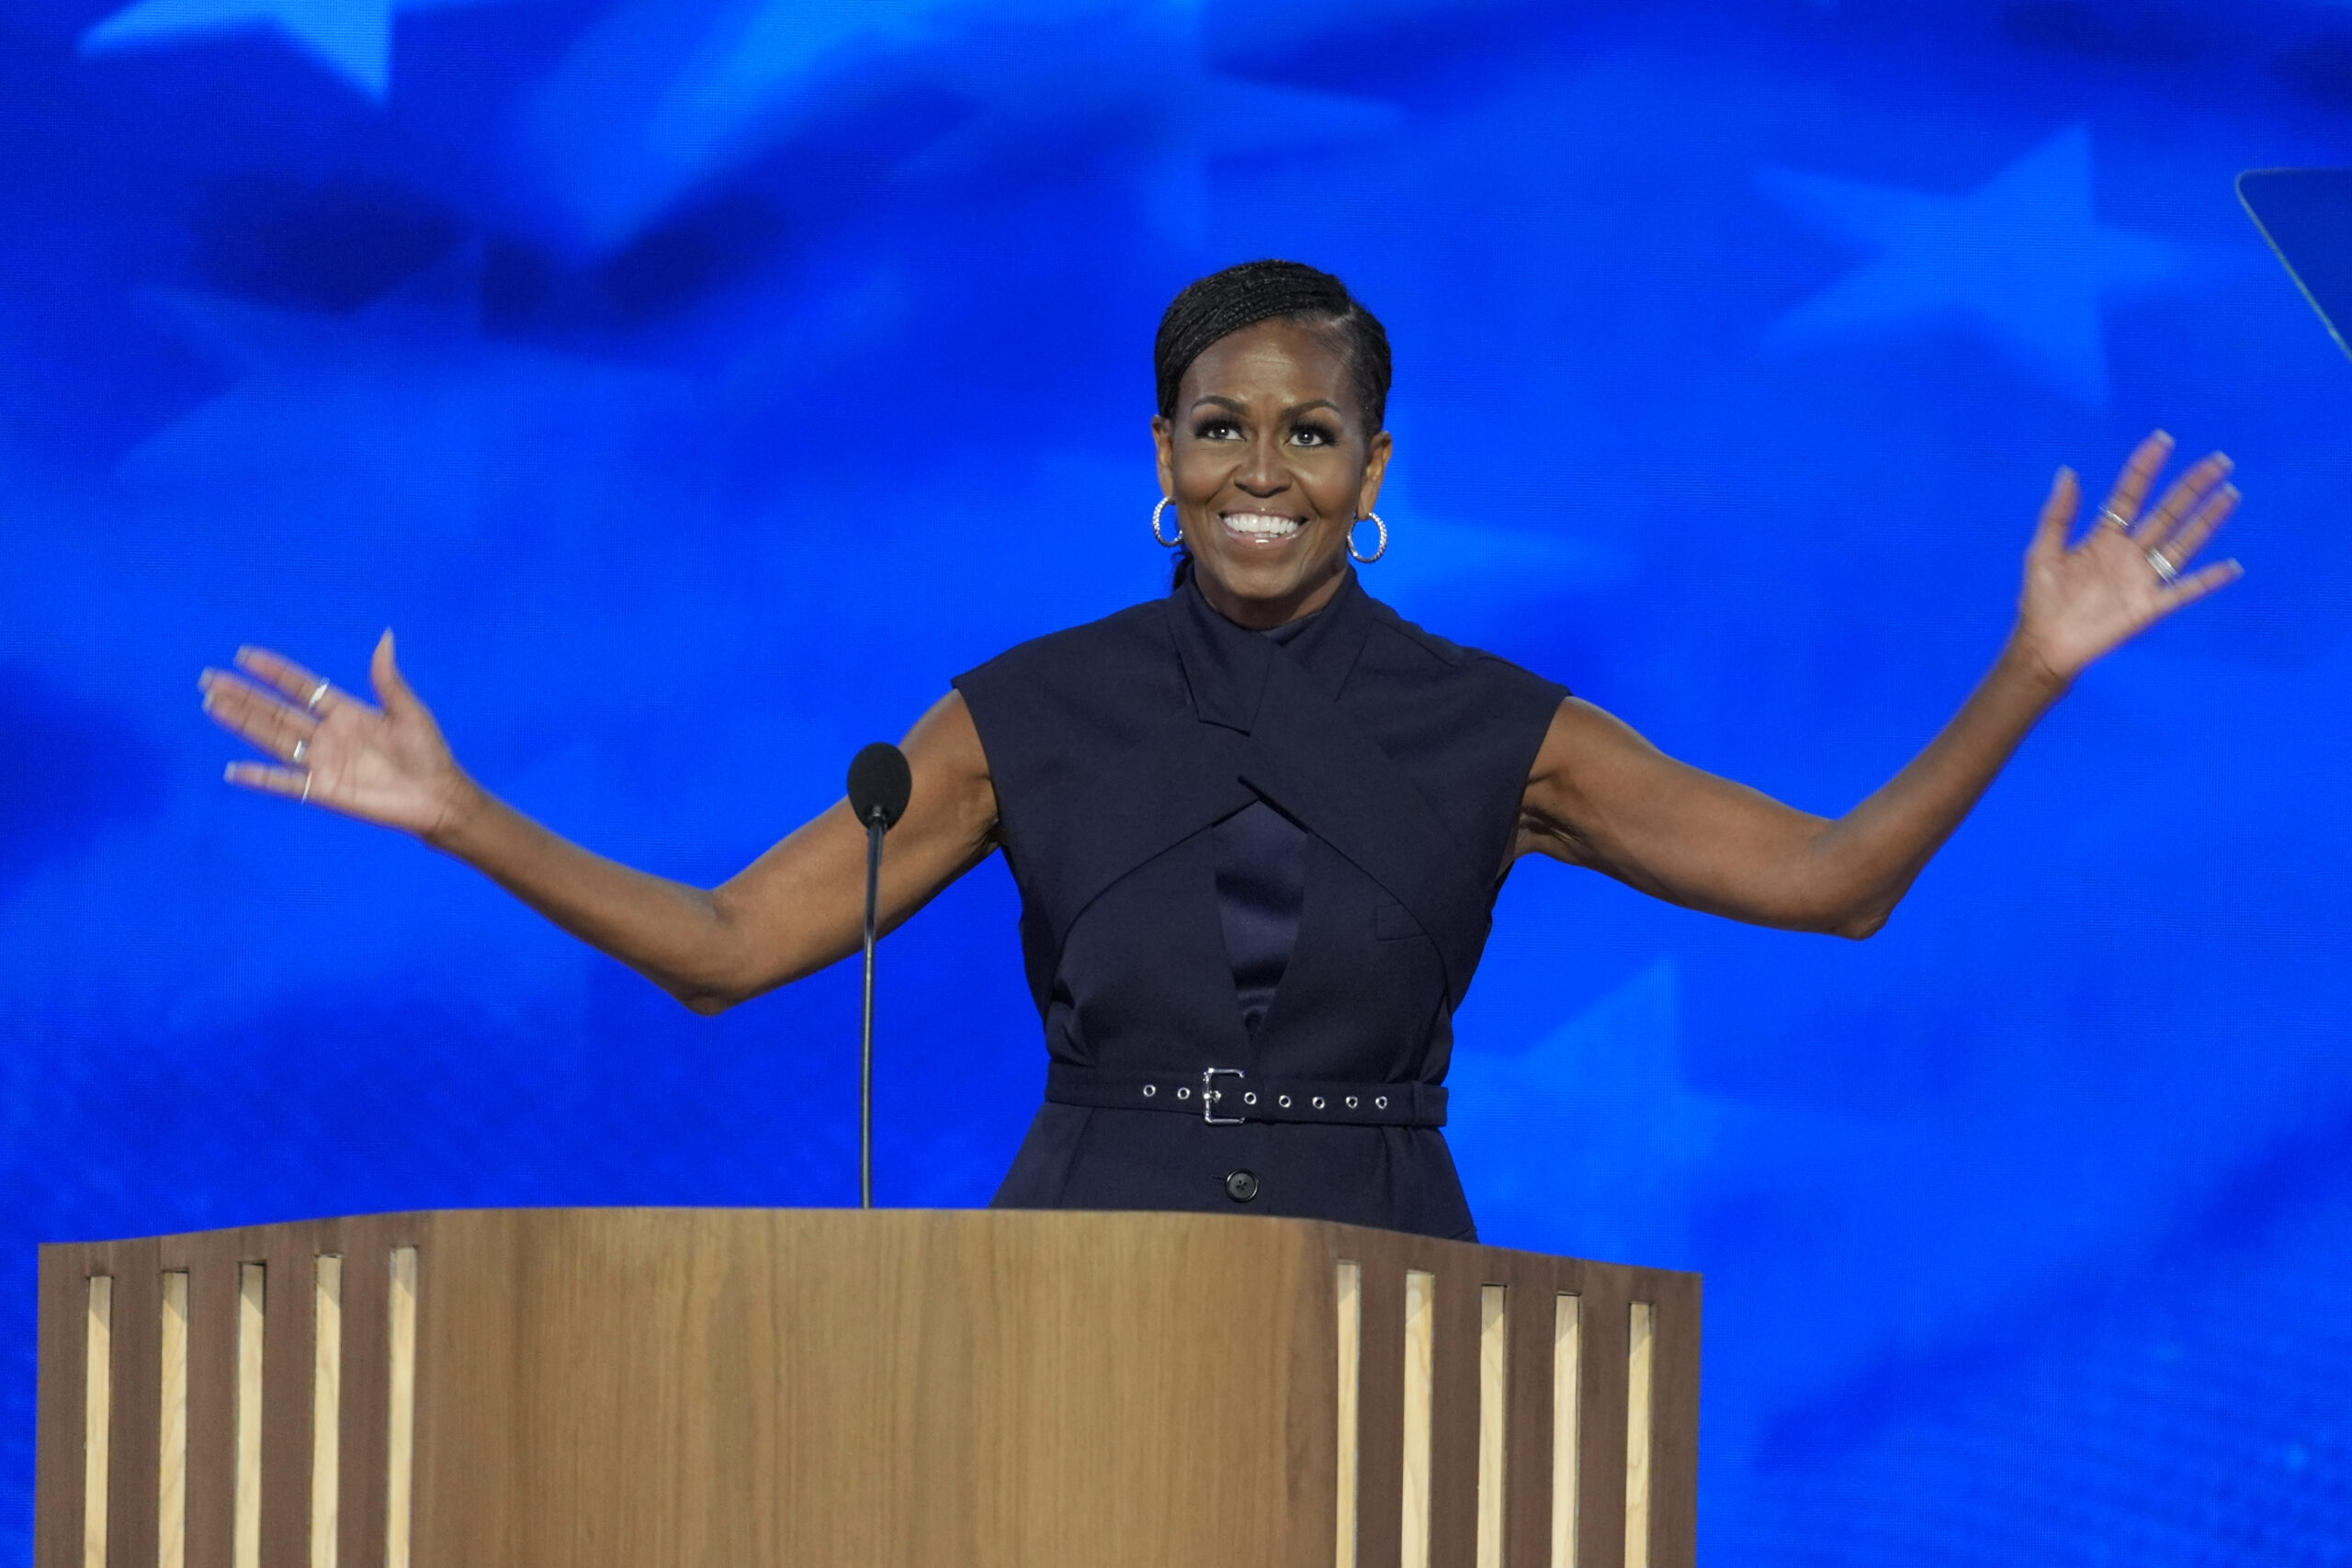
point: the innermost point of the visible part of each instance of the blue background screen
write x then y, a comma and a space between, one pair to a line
697, 385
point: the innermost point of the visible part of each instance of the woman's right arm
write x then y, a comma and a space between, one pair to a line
796, 908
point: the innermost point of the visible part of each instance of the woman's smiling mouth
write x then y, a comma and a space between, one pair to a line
1260, 528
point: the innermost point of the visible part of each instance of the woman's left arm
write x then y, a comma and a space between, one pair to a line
1603, 796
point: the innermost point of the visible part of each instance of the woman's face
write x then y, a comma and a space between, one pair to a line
1269, 466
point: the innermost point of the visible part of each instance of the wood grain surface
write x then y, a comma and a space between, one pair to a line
647, 1387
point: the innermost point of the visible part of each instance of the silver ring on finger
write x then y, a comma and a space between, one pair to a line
2109, 517
306, 789
2166, 573
318, 695
301, 750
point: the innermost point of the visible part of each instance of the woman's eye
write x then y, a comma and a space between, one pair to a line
1216, 430
1311, 435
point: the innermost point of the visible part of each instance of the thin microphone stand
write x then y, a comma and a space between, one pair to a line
874, 828
879, 786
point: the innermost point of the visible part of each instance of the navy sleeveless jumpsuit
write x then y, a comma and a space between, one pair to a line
1257, 873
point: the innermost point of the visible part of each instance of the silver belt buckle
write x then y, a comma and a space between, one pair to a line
1211, 1094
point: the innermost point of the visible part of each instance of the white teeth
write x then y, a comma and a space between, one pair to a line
1261, 524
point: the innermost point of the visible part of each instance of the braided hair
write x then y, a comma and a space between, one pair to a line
1224, 302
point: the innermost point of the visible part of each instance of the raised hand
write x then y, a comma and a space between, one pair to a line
386, 764
2082, 602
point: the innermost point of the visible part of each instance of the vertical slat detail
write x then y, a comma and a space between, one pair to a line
1639, 1347
170, 1430
1674, 1424
400, 1455
98, 1408
1494, 1384
252, 1316
1567, 1384
1452, 1377
1421, 1370
326, 1407
1380, 1405
1348, 1294
1527, 1499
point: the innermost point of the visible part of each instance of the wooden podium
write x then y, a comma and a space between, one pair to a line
642, 1387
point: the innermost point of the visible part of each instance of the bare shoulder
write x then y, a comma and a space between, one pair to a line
951, 767
946, 735
1582, 738
1590, 762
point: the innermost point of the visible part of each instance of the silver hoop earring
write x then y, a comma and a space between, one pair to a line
1373, 518
1156, 533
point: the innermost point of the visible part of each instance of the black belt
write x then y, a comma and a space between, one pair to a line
1224, 1096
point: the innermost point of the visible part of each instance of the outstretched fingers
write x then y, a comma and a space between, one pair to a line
292, 782
257, 716
392, 689
2138, 478
2181, 544
2057, 515
2197, 584
282, 676
2186, 495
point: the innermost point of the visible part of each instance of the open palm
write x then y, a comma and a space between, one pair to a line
2083, 601
386, 764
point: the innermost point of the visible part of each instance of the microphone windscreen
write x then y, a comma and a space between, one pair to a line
880, 782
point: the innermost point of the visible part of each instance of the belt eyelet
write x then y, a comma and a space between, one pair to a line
1381, 1103
1352, 1103
1283, 1101
1183, 1094
1250, 1098
1318, 1102
1149, 1090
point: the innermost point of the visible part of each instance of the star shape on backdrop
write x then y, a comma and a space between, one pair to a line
404, 423
1595, 1118
662, 96
1442, 568
2023, 258
351, 38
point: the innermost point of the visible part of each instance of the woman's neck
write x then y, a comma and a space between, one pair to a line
1265, 614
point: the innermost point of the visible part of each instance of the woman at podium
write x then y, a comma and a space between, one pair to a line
1258, 825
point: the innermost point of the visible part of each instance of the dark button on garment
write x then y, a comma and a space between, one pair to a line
1241, 1186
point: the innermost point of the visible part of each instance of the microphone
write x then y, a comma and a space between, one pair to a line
879, 784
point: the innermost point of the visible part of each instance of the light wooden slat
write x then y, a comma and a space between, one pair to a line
98, 1408
171, 1441
768, 1481
326, 1408
399, 1457
244, 1533
1494, 1384
1420, 1375
1348, 1294
1568, 1341
1639, 1359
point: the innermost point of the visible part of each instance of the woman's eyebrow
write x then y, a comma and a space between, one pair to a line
1235, 404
